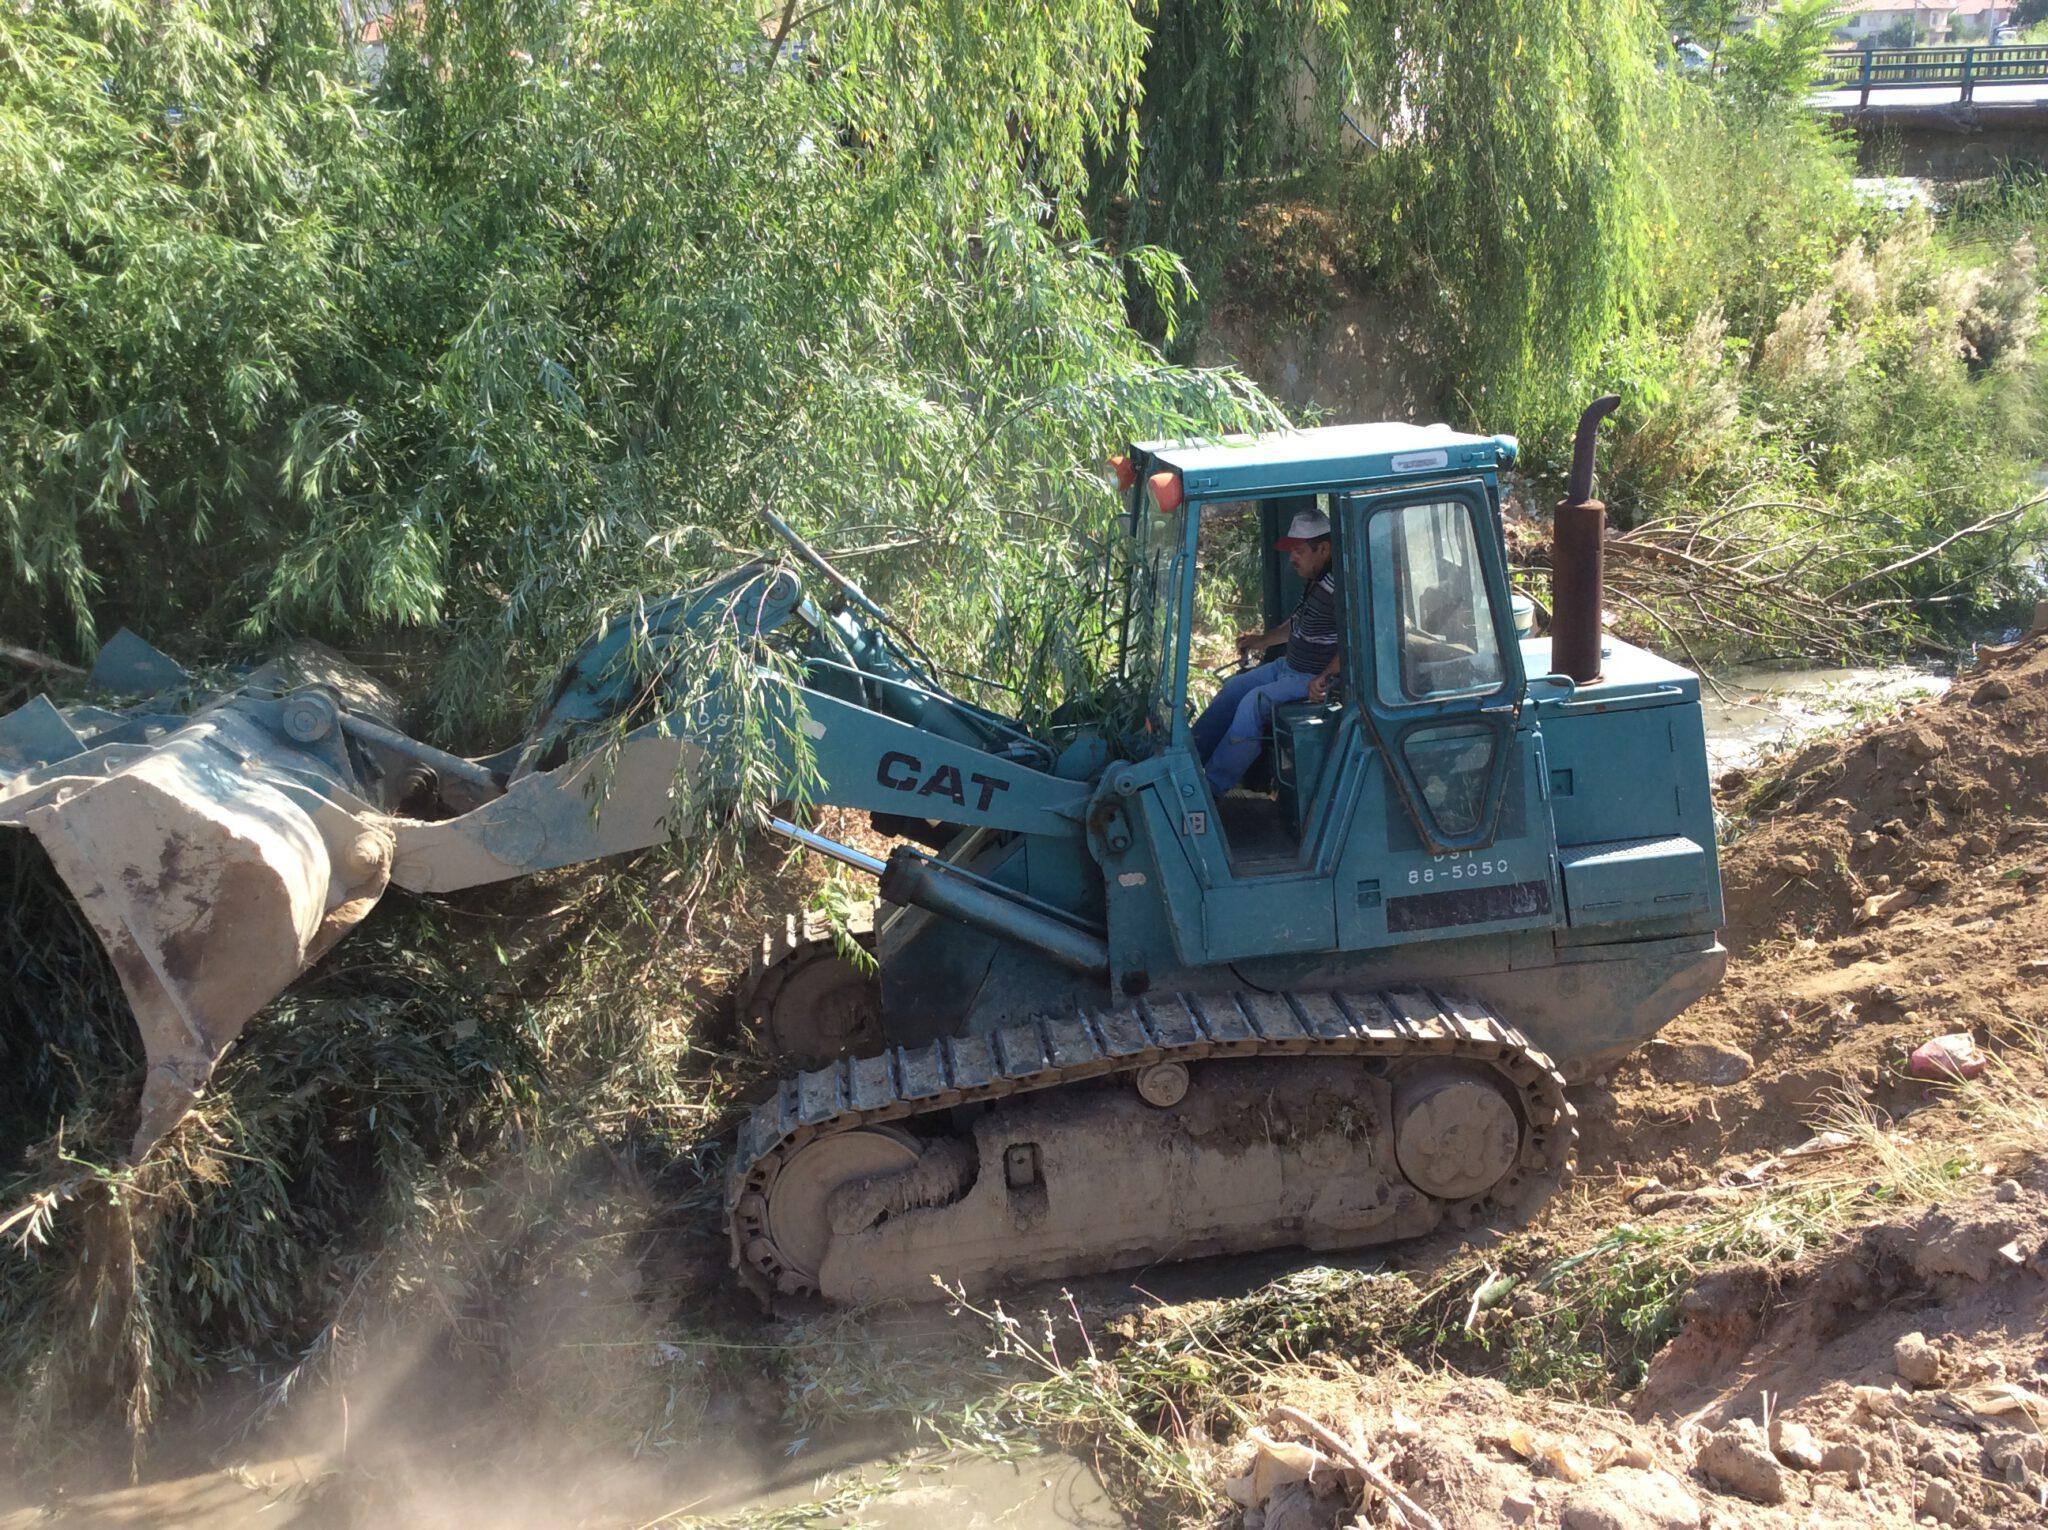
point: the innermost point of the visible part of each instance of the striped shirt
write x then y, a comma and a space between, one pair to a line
1312, 630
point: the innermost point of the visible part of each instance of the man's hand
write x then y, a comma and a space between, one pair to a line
1319, 687
1247, 642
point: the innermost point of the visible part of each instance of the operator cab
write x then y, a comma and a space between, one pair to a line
1428, 672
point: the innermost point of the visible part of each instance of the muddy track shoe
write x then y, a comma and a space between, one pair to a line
1165, 1129
804, 999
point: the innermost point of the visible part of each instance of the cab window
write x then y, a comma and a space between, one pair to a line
1438, 640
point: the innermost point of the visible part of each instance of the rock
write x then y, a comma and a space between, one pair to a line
1970, 1251
1883, 905
1793, 866
2015, 1458
1738, 1459
1627, 1498
1979, 845
1917, 1362
1843, 1457
1517, 1508
1295, 1506
2008, 1191
1699, 1062
1920, 743
1996, 689
1795, 1445
1938, 1501
1868, 840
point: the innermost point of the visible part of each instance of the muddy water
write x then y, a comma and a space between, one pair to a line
1750, 712
879, 1487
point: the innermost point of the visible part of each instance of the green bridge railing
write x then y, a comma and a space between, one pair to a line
1867, 69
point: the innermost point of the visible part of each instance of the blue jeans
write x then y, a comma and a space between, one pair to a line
1229, 732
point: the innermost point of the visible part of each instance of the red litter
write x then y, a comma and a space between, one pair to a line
1949, 1057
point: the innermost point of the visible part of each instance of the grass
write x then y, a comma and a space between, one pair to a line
838, 1498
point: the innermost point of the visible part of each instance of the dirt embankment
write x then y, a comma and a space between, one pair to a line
1865, 1338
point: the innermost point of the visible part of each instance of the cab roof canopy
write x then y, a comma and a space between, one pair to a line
1329, 456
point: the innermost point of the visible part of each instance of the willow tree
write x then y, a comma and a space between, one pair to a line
1505, 190
544, 312
1514, 167
187, 195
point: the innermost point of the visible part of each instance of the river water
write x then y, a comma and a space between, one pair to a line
1752, 712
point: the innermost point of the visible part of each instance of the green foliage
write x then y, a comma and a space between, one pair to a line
1221, 100
1507, 193
1513, 182
532, 324
1706, 22
1831, 387
1773, 65
455, 1110
188, 197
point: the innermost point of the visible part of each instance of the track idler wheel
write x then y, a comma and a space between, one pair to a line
1456, 1130
800, 1203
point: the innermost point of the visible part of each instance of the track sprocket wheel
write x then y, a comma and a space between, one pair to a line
805, 1000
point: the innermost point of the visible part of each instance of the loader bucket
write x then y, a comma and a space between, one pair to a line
214, 860
219, 843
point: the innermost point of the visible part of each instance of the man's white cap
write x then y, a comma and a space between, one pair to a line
1308, 526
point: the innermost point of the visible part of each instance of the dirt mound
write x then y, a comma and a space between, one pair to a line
1883, 889
1899, 1377
1855, 831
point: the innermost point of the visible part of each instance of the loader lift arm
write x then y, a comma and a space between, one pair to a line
219, 852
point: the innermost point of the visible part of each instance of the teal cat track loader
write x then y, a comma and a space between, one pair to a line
1111, 1018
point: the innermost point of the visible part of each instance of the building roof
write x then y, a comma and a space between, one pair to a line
1849, 8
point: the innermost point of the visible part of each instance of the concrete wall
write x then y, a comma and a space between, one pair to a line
1949, 143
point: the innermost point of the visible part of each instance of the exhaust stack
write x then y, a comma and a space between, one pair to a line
1578, 558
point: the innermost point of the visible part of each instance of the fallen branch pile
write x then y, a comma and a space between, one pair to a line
1771, 579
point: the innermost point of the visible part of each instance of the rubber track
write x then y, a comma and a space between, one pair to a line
1047, 1052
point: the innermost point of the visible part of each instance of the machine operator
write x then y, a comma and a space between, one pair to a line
1228, 734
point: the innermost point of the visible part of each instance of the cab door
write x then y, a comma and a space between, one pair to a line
1441, 687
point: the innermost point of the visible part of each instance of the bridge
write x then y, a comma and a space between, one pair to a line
1944, 113
1862, 78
